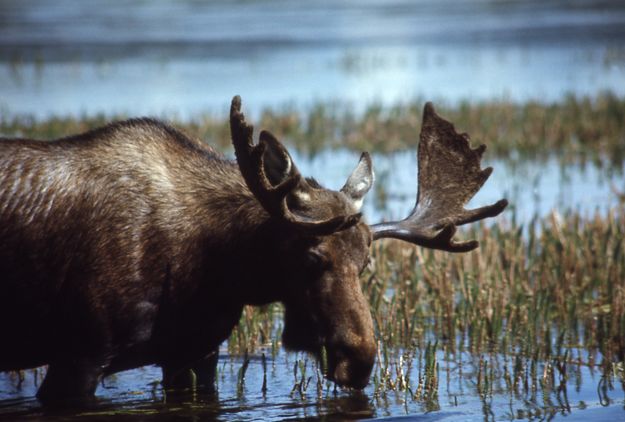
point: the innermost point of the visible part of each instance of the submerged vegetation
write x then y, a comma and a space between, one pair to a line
576, 129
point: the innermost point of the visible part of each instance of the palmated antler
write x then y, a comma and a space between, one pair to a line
449, 176
270, 174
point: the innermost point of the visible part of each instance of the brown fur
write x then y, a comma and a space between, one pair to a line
133, 244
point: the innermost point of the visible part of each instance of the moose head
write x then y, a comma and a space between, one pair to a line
327, 242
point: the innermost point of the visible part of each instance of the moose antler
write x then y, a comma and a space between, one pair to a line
256, 161
449, 176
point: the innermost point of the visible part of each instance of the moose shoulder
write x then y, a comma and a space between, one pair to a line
134, 244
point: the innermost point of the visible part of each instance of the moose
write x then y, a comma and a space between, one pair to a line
134, 244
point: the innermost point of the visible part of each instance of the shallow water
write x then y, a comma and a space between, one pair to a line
136, 394
182, 58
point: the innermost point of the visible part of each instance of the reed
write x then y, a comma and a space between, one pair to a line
531, 302
575, 129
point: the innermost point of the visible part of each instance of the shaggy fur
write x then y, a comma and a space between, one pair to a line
134, 244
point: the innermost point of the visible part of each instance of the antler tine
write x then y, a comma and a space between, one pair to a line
432, 239
250, 159
273, 198
449, 176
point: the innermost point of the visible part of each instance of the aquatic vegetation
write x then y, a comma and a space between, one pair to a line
531, 302
537, 290
576, 129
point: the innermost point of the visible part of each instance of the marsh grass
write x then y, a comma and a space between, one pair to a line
576, 129
522, 309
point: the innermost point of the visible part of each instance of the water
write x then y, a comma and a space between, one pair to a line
137, 394
183, 58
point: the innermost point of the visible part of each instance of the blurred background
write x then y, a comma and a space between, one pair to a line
184, 58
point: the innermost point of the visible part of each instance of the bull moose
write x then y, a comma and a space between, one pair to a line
134, 244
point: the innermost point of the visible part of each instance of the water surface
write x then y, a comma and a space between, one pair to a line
187, 57
137, 395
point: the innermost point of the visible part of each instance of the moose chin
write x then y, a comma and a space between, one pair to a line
134, 244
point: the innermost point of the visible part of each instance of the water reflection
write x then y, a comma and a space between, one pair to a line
131, 400
488, 387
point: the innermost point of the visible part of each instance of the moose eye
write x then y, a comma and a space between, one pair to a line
318, 261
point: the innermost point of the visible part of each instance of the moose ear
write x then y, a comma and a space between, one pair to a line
278, 164
360, 181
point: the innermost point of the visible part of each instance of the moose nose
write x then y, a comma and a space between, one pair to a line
352, 366
353, 373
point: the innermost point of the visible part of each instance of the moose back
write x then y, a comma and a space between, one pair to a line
134, 244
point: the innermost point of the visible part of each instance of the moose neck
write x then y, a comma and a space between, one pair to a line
241, 243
